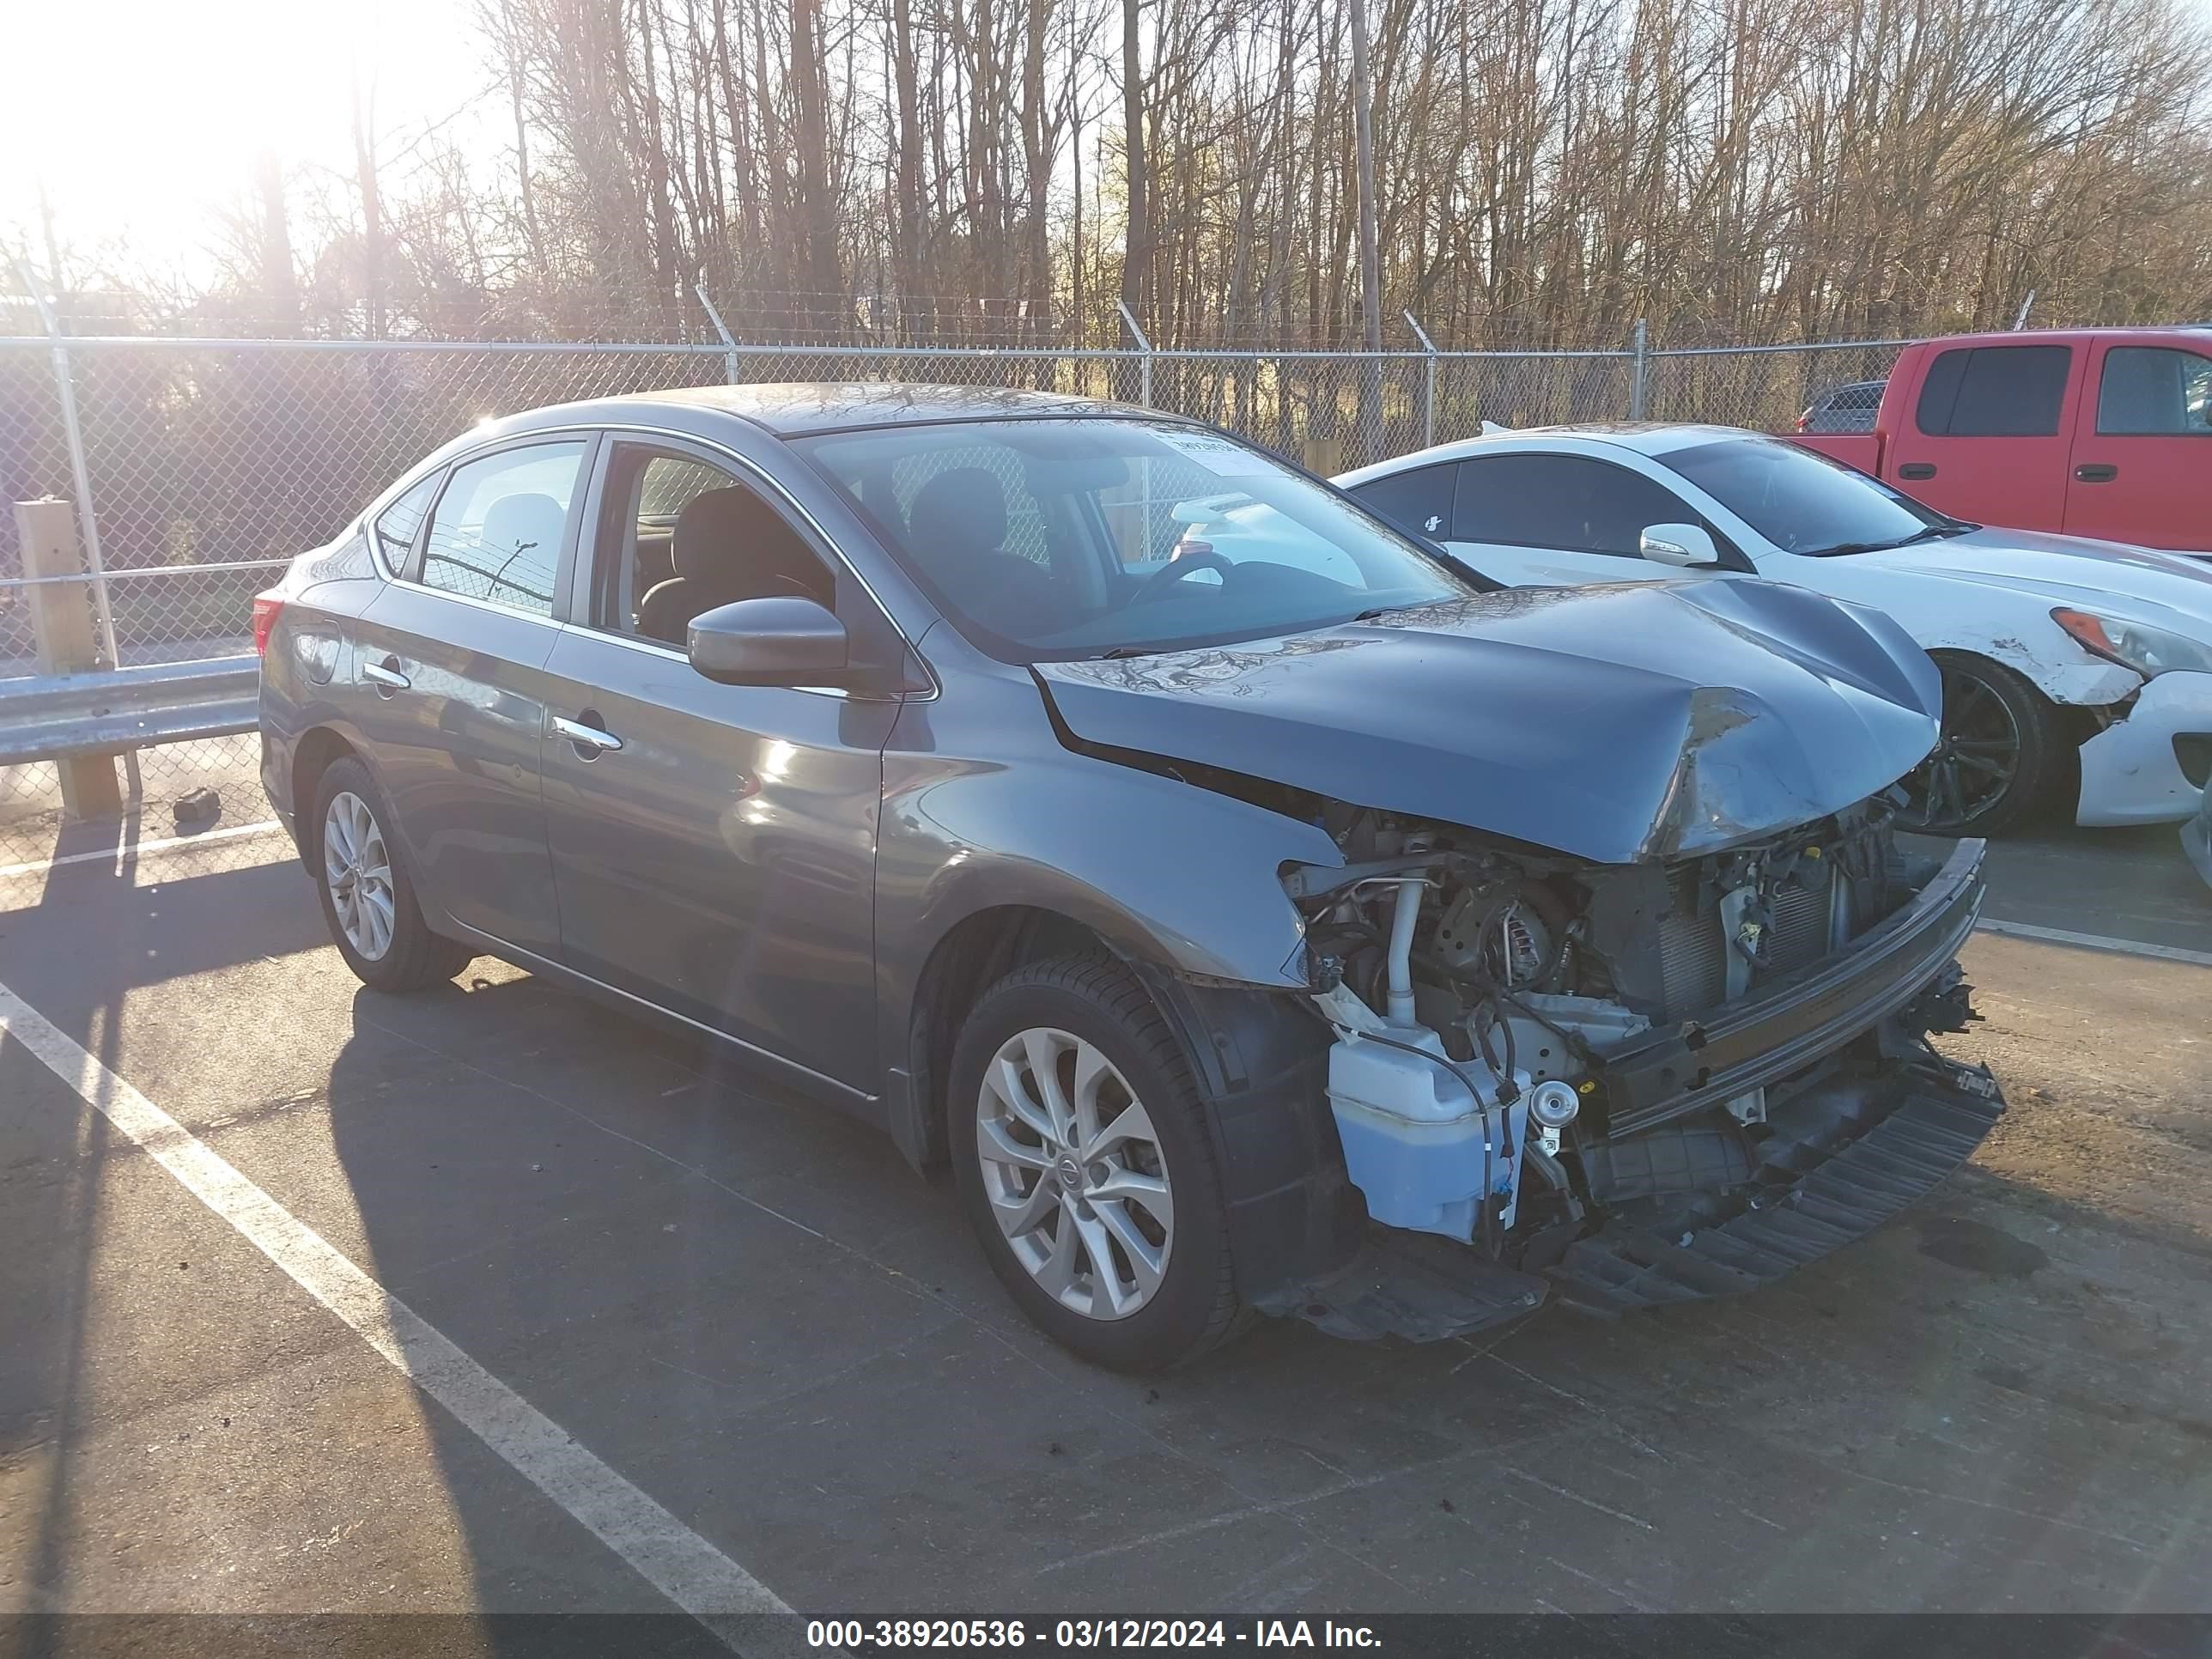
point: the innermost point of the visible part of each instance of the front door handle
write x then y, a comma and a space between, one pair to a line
385, 676
2096, 472
1916, 470
596, 739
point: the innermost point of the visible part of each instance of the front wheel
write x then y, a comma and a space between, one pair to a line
1080, 1150
1993, 759
368, 897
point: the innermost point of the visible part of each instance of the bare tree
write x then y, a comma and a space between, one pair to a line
1543, 171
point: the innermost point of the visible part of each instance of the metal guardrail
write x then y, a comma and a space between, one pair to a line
54, 716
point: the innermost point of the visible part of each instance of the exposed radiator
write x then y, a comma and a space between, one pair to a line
1693, 956
1801, 922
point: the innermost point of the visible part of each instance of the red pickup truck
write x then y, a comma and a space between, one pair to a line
2104, 432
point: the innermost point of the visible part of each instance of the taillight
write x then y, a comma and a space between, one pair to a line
267, 607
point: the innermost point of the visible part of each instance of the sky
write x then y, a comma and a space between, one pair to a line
145, 122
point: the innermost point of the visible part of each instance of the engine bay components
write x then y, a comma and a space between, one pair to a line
1553, 1106
1431, 1143
1487, 1006
1425, 1141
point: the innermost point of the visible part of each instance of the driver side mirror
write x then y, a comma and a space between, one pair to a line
771, 641
1686, 545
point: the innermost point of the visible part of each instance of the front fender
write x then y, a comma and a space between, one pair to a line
2006, 625
1181, 882
1166, 871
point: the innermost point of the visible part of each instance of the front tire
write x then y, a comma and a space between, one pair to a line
367, 896
1080, 1150
1994, 758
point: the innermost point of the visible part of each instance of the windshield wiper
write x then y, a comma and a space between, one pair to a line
1948, 528
1120, 652
1939, 532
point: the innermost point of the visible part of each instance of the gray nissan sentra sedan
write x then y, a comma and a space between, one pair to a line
1313, 930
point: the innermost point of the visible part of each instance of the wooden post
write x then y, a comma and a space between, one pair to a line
61, 623
1324, 456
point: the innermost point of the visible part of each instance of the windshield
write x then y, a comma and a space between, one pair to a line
1804, 502
1047, 540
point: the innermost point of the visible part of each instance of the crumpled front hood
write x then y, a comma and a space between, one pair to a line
2168, 590
1619, 724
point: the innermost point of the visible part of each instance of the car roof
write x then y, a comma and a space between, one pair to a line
791, 409
2072, 336
1645, 437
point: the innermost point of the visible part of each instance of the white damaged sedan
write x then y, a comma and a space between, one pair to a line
2062, 658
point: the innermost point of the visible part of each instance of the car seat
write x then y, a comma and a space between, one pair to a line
957, 531
729, 544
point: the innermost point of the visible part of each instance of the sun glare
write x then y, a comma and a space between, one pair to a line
189, 97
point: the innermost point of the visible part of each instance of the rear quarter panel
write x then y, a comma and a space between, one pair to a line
308, 663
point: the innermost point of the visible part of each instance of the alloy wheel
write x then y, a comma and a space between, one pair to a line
1074, 1173
1975, 760
357, 871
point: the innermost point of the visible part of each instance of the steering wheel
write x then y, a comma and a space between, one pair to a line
1173, 572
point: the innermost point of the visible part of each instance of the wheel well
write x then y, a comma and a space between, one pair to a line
980, 951
310, 760
2066, 727
1960, 655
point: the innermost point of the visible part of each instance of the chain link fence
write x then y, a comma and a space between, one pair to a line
40, 843
200, 466
209, 463
1766, 388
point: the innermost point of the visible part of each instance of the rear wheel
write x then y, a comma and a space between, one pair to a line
1994, 758
368, 897
1082, 1157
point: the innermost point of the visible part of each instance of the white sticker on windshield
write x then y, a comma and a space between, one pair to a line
1217, 455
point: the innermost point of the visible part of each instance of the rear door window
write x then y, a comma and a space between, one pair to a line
1995, 392
2154, 391
496, 532
1567, 501
1419, 500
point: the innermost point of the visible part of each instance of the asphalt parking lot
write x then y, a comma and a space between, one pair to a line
753, 1317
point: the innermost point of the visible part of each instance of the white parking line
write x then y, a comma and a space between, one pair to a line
675, 1561
2126, 947
128, 849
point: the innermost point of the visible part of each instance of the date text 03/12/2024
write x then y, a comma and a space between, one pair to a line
1086, 1633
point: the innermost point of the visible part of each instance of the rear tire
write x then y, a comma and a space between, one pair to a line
1095, 1196
367, 896
1999, 751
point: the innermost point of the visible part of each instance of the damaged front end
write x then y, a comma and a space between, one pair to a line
1627, 982
1628, 1084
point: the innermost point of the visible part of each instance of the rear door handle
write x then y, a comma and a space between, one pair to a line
2096, 472
597, 738
1916, 470
386, 675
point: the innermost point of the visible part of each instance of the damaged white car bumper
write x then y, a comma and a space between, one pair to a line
2138, 770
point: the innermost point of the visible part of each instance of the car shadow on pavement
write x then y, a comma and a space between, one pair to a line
84, 936
750, 1307
753, 1309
